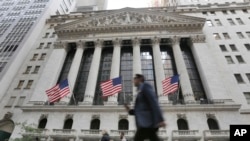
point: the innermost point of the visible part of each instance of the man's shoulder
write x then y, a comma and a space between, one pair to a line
146, 85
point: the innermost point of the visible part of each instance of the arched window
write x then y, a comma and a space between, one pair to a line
212, 124
68, 124
123, 124
42, 123
182, 124
95, 124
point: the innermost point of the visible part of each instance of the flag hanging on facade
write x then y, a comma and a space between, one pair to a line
170, 84
111, 86
58, 91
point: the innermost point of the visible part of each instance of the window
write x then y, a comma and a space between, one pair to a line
20, 84
95, 124
248, 34
36, 69
29, 84
216, 36
247, 96
248, 76
240, 35
233, 47
247, 46
240, 59
231, 22
42, 56
20, 101
27, 71
226, 36
223, 48
53, 35
217, 22
209, 23
42, 123
48, 45
204, 13
46, 35
238, 78
11, 101
239, 21
233, 11
229, 59
244, 11
182, 124
212, 124
212, 13
40, 46
224, 12
123, 124
34, 57
68, 124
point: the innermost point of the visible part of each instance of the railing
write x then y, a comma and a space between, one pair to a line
37, 132
162, 133
126, 132
216, 133
64, 131
202, 101
90, 132
185, 134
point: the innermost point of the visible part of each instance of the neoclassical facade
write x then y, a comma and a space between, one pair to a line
92, 47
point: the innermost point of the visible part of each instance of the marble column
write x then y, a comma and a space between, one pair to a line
136, 61
159, 70
115, 67
51, 72
72, 76
185, 83
93, 74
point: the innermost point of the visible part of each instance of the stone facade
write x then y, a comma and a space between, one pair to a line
177, 29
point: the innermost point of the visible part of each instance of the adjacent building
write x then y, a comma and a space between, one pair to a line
207, 45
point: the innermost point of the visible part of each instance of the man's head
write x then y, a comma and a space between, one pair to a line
139, 78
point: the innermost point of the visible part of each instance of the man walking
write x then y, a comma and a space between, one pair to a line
148, 115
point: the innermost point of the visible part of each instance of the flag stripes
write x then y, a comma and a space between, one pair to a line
170, 84
111, 86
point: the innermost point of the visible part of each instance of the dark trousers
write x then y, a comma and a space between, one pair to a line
146, 133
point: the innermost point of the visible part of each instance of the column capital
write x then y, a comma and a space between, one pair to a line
198, 38
156, 40
175, 39
80, 44
98, 42
136, 41
60, 45
117, 42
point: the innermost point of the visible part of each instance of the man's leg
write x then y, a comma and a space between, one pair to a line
139, 135
153, 134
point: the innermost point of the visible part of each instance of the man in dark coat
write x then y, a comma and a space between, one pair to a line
105, 136
148, 115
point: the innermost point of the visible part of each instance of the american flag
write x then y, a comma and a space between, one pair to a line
111, 86
170, 84
58, 91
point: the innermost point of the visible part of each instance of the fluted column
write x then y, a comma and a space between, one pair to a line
51, 71
159, 70
72, 76
182, 71
93, 74
136, 61
115, 67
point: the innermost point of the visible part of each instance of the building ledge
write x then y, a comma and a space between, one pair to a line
216, 134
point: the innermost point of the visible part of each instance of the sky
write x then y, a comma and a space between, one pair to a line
117, 4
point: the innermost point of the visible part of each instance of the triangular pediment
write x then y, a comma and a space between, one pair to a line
129, 18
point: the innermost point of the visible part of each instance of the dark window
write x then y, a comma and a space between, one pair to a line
67, 63
123, 124
224, 12
229, 59
233, 11
68, 124
233, 47
182, 124
42, 123
238, 78
193, 73
82, 76
95, 124
223, 48
248, 76
168, 61
247, 46
240, 59
104, 74
126, 71
147, 65
212, 124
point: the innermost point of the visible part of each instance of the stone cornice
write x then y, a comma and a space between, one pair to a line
115, 108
